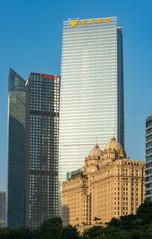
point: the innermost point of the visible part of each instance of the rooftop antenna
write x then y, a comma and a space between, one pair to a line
96, 140
113, 129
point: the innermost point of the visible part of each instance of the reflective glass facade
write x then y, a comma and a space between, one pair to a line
92, 100
16, 150
149, 158
42, 141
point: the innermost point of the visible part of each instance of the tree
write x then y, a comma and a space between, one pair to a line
51, 229
4, 233
94, 232
129, 221
112, 232
19, 233
145, 212
69, 232
137, 235
115, 223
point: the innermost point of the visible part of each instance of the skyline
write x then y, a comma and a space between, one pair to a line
21, 50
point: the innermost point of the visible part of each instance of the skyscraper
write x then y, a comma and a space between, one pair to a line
2, 209
16, 150
42, 126
149, 158
92, 94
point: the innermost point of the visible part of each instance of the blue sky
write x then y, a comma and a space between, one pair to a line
30, 41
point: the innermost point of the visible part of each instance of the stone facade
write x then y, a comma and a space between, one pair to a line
110, 185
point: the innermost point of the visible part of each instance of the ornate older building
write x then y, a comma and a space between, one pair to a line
109, 185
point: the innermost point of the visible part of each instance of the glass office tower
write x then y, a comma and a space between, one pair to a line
16, 150
42, 141
149, 158
92, 94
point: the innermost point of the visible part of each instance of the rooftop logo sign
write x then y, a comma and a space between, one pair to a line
84, 22
46, 76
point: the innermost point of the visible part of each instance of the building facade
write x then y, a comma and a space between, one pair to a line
109, 185
42, 141
2, 209
92, 99
149, 158
16, 150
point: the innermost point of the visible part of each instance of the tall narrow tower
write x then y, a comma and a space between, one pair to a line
92, 91
16, 150
42, 140
148, 155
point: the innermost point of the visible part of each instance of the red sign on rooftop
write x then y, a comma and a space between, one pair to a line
46, 76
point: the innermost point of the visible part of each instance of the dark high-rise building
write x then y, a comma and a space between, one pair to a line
42, 135
149, 158
2, 209
16, 150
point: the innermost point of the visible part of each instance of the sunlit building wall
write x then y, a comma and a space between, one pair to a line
108, 186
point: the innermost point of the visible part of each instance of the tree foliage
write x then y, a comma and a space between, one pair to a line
69, 232
51, 229
137, 226
93, 232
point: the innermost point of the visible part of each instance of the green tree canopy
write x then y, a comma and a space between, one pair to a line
94, 232
145, 212
69, 232
51, 229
